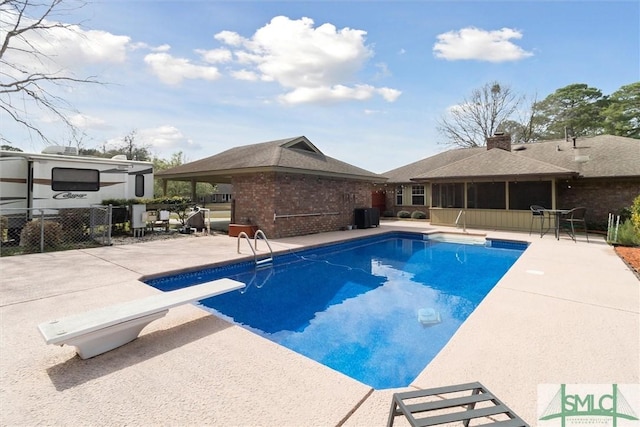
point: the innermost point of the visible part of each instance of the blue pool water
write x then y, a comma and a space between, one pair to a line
355, 306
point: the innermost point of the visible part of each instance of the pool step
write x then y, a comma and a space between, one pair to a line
265, 262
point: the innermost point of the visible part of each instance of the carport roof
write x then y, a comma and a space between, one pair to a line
293, 155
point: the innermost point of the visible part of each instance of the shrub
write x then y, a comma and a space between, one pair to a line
635, 214
418, 215
628, 235
404, 214
4, 227
388, 214
30, 237
74, 222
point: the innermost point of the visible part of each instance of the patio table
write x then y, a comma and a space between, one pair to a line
557, 213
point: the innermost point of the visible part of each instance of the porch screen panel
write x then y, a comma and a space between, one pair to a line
487, 195
447, 195
524, 194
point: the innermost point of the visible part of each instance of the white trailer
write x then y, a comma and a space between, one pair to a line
57, 178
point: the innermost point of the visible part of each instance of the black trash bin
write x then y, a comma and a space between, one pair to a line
366, 217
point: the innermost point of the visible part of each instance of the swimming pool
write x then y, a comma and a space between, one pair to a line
377, 309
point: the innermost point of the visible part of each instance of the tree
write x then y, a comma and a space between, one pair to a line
525, 127
571, 111
128, 147
622, 115
6, 147
178, 188
30, 79
469, 123
131, 150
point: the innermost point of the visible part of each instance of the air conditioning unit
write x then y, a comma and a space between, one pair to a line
59, 149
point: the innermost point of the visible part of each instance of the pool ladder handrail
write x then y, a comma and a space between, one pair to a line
254, 248
253, 283
462, 214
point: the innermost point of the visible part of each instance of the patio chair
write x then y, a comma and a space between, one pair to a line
537, 212
575, 216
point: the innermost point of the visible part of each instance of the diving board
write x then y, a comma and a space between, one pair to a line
104, 329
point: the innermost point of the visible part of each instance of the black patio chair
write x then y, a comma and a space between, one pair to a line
575, 216
537, 212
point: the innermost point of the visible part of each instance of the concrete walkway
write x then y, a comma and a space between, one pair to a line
564, 313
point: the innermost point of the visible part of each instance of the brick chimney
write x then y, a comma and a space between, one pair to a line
499, 140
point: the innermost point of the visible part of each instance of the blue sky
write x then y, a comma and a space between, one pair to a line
365, 81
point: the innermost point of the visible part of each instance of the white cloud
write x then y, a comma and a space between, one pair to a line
229, 37
215, 56
162, 48
165, 139
62, 49
315, 64
173, 71
324, 94
389, 94
245, 75
84, 121
478, 44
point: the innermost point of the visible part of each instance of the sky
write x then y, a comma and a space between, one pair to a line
365, 81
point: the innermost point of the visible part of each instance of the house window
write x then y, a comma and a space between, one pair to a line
70, 179
417, 195
524, 194
447, 195
486, 195
139, 185
399, 195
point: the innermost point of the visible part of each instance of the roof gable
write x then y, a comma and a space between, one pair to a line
303, 144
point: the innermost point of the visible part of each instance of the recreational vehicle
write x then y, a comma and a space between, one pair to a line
58, 178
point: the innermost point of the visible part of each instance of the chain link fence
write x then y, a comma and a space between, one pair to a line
34, 230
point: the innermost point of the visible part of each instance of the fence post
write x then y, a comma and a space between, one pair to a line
109, 222
41, 230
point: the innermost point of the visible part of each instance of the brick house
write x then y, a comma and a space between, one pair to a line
496, 184
285, 187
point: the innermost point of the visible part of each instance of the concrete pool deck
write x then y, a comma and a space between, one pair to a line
564, 313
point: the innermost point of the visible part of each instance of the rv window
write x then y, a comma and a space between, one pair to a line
139, 185
68, 179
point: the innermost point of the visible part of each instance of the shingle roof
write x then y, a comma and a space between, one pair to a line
405, 173
494, 163
295, 155
599, 156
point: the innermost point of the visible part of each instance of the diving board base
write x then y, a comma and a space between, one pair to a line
106, 339
106, 328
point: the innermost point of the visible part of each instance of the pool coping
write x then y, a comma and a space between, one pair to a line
591, 298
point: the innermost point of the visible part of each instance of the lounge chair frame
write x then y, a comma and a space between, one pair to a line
445, 409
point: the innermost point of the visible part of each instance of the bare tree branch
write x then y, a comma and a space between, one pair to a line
469, 123
28, 80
